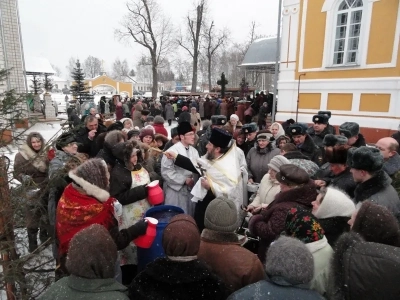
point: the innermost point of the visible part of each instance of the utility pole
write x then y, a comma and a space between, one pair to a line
277, 59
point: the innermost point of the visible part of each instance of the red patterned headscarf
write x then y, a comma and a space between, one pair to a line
76, 211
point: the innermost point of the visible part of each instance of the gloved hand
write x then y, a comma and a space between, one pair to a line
138, 229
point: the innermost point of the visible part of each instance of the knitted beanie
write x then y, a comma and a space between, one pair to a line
145, 132
235, 117
278, 161
92, 253
289, 258
377, 224
335, 204
221, 215
367, 159
159, 120
181, 236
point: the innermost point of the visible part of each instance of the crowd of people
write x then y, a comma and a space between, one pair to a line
324, 207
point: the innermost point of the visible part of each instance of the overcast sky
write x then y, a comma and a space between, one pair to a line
59, 29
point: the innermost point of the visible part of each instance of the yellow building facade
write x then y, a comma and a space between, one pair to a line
103, 80
345, 53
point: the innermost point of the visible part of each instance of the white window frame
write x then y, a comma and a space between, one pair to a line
331, 7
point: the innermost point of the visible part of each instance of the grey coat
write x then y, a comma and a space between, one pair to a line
275, 288
258, 160
379, 190
169, 111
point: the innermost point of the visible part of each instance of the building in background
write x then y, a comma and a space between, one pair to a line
11, 50
345, 53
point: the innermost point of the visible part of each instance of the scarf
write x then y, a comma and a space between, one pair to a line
76, 211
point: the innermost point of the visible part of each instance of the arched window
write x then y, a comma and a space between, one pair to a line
347, 35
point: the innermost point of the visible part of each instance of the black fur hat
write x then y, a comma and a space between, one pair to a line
320, 119
331, 140
366, 158
349, 129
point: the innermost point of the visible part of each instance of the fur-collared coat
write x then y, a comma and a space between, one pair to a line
174, 280
269, 224
379, 190
235, 265
364, 270
35, 165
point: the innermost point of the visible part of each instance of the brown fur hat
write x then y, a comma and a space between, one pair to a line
337, 154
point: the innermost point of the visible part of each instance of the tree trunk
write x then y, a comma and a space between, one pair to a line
194, 76
154, 89
209, 73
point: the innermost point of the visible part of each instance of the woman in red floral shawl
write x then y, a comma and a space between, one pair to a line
86, 201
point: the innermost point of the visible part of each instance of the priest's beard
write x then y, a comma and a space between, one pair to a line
210, 155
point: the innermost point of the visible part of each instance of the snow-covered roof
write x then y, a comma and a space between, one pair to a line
261, 53
38, 65
58, 79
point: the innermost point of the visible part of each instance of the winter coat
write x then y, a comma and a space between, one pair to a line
322, 253
231, 108
318, 138
160, 129
379, 190
267, 191
275, 288
311, 150
364, 270
137, 116
228, 126
247, 146
343, 181
360, 142
201, 108
120, 186
165, 279
28, 162
396, 136
169, 111
207, 109
257, 161
203, 141
334, 227
392, 168
90, 147
269, 224
73, 287
195, 121
223, 108
119, 112
235, 265
299, 159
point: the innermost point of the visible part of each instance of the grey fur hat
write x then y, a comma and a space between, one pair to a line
365, 158
221, 215
349, 129
289, 258
331, 140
